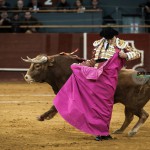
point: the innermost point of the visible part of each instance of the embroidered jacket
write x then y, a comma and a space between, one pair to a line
101, 52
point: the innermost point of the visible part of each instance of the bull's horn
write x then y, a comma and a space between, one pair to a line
43, 59
29, 59
74, 51
26, 60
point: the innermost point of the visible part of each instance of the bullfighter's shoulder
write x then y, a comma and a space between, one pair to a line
98, 42
121, 44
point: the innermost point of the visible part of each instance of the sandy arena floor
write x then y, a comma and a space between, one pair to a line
21, 103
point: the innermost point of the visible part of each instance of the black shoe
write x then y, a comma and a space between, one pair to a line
108, 137
98, 138
101, 138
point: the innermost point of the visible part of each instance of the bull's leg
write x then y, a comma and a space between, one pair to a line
48, 115
128, 118
143, 115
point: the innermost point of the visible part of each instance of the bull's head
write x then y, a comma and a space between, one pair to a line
38, 68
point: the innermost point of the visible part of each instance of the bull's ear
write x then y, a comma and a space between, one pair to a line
50, 61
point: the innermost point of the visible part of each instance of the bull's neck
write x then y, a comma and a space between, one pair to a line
55, 81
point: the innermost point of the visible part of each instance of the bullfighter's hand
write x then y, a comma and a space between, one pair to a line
122, 54
89, 63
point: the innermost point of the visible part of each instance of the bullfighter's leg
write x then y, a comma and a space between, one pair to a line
128, 118
48, 115
143, 115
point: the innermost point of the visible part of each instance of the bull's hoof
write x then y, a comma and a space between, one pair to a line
39, 118
131, 133
118, 132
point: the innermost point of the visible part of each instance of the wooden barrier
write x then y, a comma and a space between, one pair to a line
15, 46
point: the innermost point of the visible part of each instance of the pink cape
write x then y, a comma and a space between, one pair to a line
86, 100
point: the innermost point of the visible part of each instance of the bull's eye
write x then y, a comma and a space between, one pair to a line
37, 66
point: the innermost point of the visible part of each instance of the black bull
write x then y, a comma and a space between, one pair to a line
55, 70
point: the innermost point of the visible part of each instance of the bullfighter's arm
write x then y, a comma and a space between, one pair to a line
132, 53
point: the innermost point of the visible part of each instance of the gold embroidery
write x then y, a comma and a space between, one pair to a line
98, 50
121, 43
102, 53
